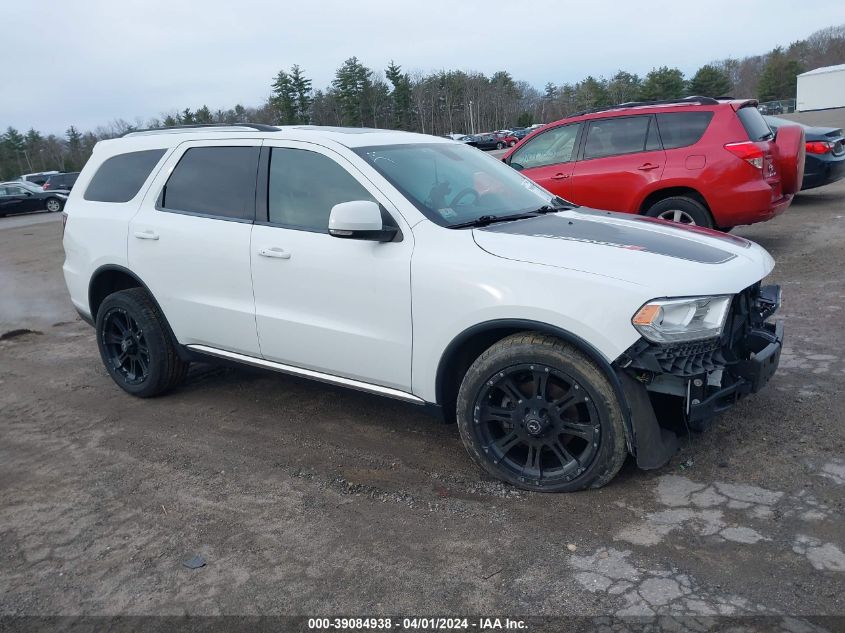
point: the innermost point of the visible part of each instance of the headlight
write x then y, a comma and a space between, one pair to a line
677, 320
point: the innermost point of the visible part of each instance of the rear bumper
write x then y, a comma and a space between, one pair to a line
819, 172
749, 206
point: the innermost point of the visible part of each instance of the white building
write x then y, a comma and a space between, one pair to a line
821, 88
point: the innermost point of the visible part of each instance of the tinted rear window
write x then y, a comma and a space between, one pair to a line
120, 177
621, 135
216, 181
680, 129
754, 123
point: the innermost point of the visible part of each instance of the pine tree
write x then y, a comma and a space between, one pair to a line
663, 83
400, 96
302, 95
349, 84
710, 81
203, 115
74, 146
778, 79
186, 117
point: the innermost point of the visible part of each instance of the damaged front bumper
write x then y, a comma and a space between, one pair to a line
708, 376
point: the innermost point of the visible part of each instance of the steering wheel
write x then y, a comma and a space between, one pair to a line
463, 193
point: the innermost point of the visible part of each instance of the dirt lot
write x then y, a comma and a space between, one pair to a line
306, 499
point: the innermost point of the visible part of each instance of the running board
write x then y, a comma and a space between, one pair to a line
308, 373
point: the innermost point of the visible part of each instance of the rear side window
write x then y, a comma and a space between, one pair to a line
120, 177
680, 129
754, 123
214, 181
304, 186
620, 135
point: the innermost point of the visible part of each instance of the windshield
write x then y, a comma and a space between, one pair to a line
454, 184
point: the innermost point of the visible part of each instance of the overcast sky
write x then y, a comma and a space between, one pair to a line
87, 62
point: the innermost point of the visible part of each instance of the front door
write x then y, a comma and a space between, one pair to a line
337, 306
547, 159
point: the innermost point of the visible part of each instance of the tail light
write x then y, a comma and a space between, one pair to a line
45, 186
819, 147
747, 151
64, 222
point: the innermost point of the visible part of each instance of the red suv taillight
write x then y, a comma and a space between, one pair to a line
45, 186
819, 147
747, 151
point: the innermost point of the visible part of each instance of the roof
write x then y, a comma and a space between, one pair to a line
823, 70
350, 137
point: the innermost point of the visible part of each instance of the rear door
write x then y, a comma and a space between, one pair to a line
190, 242
621, 157
548, 158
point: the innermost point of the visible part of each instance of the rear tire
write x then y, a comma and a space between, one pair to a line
135, 344
53, 205
683, 210
537, 413
500, 145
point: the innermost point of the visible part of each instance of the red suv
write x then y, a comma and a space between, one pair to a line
714, 163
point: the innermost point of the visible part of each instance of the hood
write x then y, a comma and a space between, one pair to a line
674, 259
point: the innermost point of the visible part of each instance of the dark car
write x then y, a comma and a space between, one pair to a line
61, 182
825, 161
521, 133
488, 141
23, 197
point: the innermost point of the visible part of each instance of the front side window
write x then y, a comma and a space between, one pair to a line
549, 148
453, 184
305, 185
214, 181
119, 178
619, 135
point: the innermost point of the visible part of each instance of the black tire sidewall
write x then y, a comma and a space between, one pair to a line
694, 208
586, 374
155, 337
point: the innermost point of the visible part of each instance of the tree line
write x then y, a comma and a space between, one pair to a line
445, 101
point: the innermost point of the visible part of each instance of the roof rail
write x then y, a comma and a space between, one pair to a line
635, 104
260, 127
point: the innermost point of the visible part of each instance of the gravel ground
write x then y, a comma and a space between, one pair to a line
306, 499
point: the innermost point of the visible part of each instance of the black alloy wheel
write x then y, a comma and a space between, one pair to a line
125, 346
538, 423
536, 412
136, 344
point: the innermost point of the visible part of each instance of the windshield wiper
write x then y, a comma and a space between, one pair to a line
485, 220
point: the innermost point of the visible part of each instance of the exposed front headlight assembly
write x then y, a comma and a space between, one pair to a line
679, 320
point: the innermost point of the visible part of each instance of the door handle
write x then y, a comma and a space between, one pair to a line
560, 176
146, 235
278, 253
648, 167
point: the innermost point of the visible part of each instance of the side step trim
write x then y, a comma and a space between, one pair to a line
308, 373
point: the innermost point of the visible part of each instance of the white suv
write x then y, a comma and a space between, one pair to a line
417, 268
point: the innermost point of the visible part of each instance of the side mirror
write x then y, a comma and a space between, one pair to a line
359, 220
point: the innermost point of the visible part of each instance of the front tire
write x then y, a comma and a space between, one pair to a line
53, 205
537, 413
135, 345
